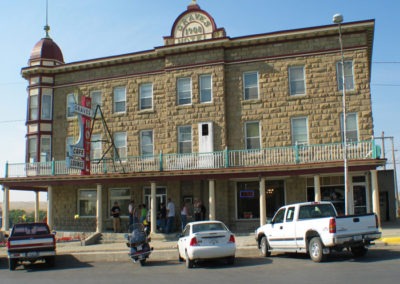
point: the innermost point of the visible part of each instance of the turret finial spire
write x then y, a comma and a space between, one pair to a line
47, 27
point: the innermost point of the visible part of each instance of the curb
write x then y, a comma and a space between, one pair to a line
390, 241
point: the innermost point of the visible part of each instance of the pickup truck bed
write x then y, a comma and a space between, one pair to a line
31, 242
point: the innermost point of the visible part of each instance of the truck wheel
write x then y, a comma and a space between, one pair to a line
50, 261
315, 248
359, 251
12, 263
264, 247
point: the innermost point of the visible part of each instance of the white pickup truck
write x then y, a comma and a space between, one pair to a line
314, 227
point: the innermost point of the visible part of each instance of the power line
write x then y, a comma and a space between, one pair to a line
11, 121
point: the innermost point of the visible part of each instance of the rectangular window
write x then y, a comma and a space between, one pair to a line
205, 88
248, 200
348, 75
146, 96
250, 85
71, 100
32, 146
184, 91
95, 147
120, 145
300, 131
69, 141
297, 82
119, 99
252, 130
351, 126
87, 202
185, 139
45, 149
123, 197
33, 107
47, 96
96, 100
146, 142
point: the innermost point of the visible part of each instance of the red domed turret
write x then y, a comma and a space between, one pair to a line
46, 49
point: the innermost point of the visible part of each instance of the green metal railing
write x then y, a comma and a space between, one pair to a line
298, 154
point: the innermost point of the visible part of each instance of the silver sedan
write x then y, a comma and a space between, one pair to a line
205, 240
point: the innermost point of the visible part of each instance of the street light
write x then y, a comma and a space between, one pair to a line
338, 19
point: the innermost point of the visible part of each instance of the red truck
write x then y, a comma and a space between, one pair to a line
30, 242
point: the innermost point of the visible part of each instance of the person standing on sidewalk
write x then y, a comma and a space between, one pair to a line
184, 215
115, 211
170, 216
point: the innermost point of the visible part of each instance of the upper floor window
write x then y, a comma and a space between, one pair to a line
146, 142
96, 100
184, 91
146, 96
32, 149
33, 104
297, 82
250, 84
47, 97
252, 131
71, 100
95, 147
45, 148
351, 127
185, 139
205, 88
300, 131
348, 75
119, 99
120, 145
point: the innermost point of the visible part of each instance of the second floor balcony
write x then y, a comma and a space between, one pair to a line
227, 159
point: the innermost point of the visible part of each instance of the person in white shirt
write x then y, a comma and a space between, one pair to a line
170, 216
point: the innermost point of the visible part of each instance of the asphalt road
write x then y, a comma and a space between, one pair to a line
381, 265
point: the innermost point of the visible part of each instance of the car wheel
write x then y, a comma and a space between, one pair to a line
315, 250
12, 263
264, 247
231, 260
180, 259
359, 251
189, 262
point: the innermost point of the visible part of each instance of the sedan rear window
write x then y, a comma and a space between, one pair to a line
208, 227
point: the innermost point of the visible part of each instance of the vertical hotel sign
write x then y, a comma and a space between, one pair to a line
79, 154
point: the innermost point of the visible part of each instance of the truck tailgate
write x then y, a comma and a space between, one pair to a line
40, 243
356, 224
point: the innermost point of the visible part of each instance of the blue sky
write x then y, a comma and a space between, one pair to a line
87, 29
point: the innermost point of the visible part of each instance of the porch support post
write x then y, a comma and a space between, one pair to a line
37, 206
211, 199
263, 203
50, 207
99, 211
6, 208
153, 208
317, 188
375, 195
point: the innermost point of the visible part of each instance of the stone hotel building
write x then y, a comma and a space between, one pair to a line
245, 124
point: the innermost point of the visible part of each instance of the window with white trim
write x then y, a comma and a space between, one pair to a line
252, 131
95, 147
71, 100
146, 96
32, 149
33, 104
299, 130
297, 82
184, 90
87, 202
185, 139
351, 126
205, 88
45, 148
120, 145
96, 99
250, 85
47, 97
348, 75
119, 99
123, 197
146, 142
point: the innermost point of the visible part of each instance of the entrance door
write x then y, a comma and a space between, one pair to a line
360, 199
161, 197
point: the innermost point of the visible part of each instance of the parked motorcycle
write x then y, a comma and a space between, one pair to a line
138, 242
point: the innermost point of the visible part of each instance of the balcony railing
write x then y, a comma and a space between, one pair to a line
196, 161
